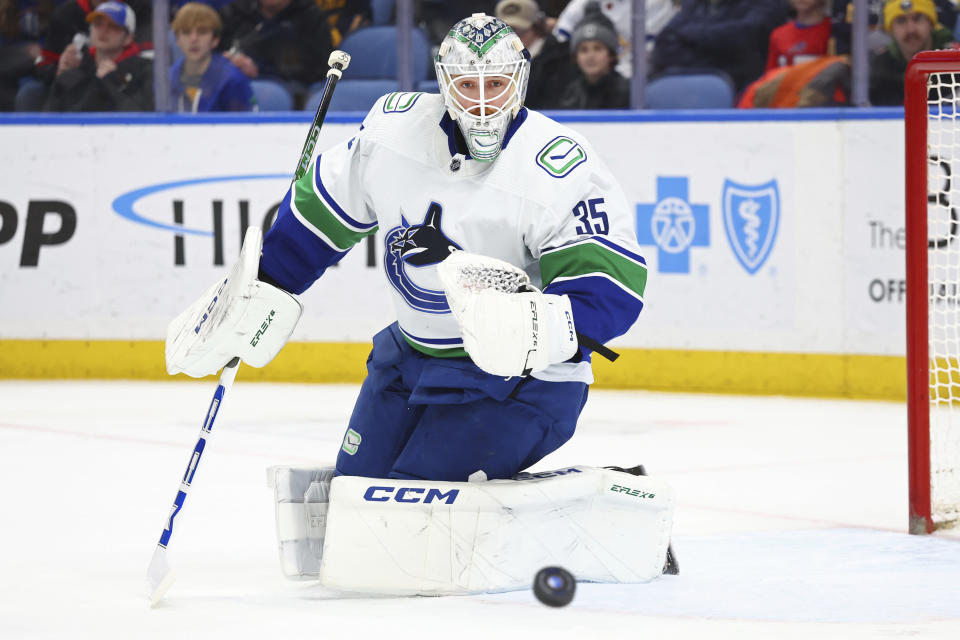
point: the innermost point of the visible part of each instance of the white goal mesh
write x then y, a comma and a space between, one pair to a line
943, 273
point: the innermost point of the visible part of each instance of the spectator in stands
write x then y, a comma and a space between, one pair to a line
213, 4
436, 16
800, 72
204, 80
345, 16
551, 66
553, 8
22, 27
597, 85
68, 32
877, 38
915, 27
620, 12
802, 39
946, 11
729, 36
110, 75
284, 40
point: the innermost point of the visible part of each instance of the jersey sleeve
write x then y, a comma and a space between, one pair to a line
568, 19
322, 216
586, 248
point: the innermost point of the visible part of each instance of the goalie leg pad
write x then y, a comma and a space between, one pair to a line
301, 496
410, 537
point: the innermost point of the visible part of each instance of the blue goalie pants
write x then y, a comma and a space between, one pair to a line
430, 418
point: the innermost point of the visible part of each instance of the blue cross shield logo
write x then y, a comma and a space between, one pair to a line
751, 216
673, 224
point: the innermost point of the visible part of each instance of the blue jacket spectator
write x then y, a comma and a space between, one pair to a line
204, 80
222, 88
725, 35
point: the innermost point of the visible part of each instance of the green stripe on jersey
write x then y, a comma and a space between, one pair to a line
316, 212
592, 257
452, 352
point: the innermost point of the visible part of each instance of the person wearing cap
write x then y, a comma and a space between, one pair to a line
594, 48
842, 13
68, 33
729, 36
111, 75
551, 68
915, 27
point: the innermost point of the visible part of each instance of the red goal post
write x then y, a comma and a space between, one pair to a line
932, 127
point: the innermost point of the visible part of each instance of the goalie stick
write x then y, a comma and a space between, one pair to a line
338, 62
160, 574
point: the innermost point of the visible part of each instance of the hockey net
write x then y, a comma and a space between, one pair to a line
932, 122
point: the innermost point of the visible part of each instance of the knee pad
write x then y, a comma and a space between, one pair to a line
302, 497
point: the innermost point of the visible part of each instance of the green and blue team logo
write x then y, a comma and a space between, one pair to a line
480, 34
401, 101
419, 245
351, 442
560, 156
751, 217
673, 224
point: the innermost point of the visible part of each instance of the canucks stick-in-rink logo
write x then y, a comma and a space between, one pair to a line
417, 245
751, 215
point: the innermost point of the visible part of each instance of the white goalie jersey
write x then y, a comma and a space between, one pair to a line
547, 205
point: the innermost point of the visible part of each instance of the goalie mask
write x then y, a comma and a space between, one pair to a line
482, 67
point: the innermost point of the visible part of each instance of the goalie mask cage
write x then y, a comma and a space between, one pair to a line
932, 125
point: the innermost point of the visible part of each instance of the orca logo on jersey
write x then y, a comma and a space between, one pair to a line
418, 245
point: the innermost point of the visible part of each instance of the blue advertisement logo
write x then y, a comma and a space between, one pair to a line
673, 224
123, 205
751, 217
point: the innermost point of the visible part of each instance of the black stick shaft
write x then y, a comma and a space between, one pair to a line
311, 142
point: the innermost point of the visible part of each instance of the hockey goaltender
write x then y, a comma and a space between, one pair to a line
511, 257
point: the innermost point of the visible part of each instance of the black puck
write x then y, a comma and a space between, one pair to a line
554, 586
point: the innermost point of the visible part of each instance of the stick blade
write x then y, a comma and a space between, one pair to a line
160, 575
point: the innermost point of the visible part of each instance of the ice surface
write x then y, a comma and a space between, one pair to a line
790, 522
